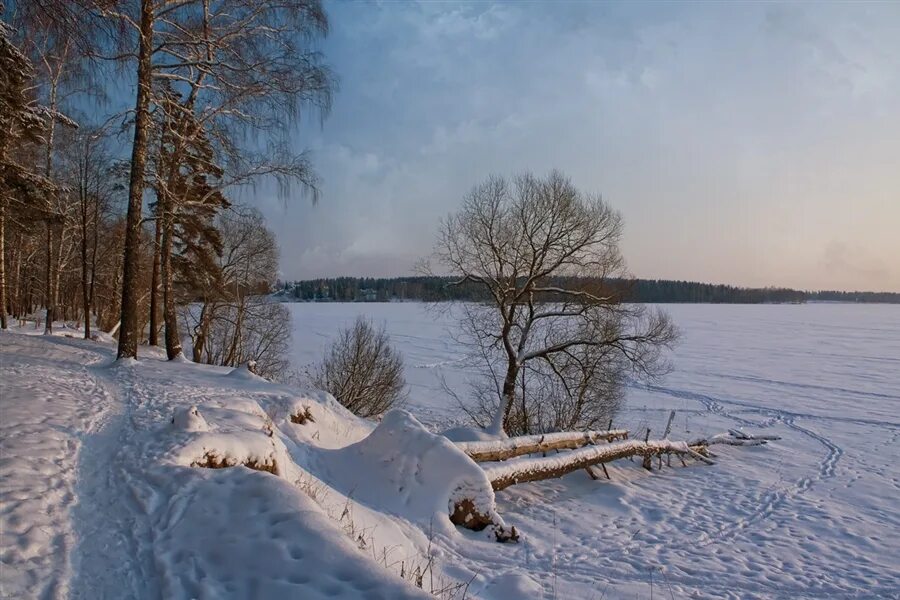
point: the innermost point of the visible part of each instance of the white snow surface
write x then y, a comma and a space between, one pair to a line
815, 515
100, 498
100, 495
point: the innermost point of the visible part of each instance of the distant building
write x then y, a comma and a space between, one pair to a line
367, 295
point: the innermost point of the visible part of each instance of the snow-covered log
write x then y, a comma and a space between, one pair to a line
535, 469
493, 450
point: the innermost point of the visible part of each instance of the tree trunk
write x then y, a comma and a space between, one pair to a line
231, 359
503, 475
173, 341
501, 417
3, 323
49, 296
15, 294
48, 283
57, 267
153, 339
85, 291
201, 332
494, 450
128, 342
94, 259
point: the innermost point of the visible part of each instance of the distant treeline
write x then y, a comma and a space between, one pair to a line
436, 289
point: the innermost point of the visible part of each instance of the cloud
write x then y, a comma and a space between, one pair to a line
718, 131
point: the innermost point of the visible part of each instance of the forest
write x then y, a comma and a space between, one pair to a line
436, 289
127, 130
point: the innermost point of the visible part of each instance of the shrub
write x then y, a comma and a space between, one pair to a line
362, 371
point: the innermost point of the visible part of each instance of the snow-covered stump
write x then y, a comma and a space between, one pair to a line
494, 450
229, 442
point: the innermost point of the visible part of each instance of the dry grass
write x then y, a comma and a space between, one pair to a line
301, 417
211, 460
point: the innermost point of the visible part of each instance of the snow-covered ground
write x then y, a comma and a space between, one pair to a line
816, 515
99, 498
101, 495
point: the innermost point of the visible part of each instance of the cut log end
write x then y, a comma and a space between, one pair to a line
466, 515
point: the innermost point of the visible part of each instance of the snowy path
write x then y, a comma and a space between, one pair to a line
114, 557
51, 397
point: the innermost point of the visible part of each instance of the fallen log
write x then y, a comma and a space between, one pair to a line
501, 475
504, 475
494, 450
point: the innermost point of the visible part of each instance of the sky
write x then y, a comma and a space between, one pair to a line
745, 143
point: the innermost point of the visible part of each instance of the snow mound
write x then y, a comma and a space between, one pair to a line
189, 419
316, 419
404, 469
241, 434
512, 585
244, 373
215, 450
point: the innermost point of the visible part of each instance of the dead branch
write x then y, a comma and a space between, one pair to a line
733, 438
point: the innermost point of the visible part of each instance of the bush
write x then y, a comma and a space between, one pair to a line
362, 371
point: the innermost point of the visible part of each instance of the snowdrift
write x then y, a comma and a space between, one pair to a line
383, 490
408, 471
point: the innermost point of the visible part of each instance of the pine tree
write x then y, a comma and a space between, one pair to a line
188, 198
23, 190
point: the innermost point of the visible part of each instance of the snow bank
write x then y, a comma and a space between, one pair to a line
244, 373
325, 423
233, 533
404, 469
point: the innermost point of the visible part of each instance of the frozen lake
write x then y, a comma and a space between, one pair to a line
822, 359
815, 515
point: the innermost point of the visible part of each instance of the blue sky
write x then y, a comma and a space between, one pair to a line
746, 143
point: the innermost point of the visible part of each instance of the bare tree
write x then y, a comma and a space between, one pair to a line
94, 184
554, 336
233, 320
254, 331
362, 371
61, 73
